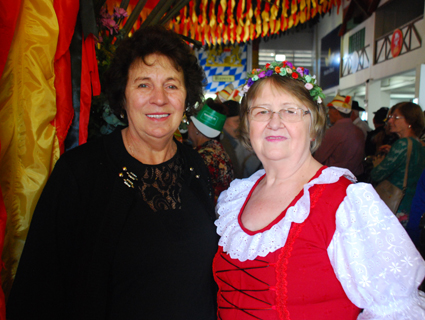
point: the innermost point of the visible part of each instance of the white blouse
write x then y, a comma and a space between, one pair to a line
372, 255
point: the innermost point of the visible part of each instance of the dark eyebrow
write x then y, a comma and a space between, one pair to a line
148, 78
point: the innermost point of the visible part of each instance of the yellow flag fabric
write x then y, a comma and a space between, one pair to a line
27, 106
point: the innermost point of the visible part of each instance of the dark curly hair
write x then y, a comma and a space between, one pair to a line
144, 42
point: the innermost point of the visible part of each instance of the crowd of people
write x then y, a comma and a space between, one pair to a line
258, 214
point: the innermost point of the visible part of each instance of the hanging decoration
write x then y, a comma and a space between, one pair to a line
217, 22
233, 21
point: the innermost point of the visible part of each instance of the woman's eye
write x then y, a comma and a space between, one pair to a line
290, 111
142, 85
171, 86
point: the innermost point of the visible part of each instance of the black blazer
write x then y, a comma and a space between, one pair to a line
64, 268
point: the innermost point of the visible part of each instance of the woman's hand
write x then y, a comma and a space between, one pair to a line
378, 159
384, 149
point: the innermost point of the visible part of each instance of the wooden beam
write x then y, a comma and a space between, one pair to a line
362, 9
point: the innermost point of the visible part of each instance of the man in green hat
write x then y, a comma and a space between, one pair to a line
203, 132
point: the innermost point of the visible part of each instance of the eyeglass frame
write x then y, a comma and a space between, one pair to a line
394, 117
304, 112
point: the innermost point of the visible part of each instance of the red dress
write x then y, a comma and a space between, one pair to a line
294, 282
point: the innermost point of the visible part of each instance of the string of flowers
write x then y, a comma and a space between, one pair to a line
286, 69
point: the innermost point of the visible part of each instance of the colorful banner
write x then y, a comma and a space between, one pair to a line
228, 61
30, 147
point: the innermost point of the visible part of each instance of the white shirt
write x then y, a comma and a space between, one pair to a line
372, 255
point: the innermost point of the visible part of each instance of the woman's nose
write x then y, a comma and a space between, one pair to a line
275, 122
159, 96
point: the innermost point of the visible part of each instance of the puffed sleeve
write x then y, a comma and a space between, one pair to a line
374, 259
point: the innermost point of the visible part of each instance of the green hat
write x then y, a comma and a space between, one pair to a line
209, 122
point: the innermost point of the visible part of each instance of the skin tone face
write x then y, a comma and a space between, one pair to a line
231, 126
276, 140
399, 126
333, 115
155, 101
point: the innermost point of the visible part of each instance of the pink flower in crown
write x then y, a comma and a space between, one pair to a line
289, 64
308, 86
300, 70
262, 74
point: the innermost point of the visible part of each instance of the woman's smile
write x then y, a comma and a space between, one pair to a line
158, 116
275, 138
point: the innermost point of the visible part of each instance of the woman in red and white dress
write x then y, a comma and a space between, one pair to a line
300, 240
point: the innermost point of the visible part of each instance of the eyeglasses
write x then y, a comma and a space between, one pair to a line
288, 115
395, 117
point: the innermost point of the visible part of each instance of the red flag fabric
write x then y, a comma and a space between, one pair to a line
90, 84
66, 12
9, 12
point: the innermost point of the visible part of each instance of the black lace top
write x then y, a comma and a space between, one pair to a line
166, 244
160, 185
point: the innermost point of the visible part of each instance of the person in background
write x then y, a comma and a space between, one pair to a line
343, 144
203, 131
406, 119
375, 138
299, 240
417, 210
355, 110
244, 161
124, 227
422, 136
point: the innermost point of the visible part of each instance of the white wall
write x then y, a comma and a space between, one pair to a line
403, 63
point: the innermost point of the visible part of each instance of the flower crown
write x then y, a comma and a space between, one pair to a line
287, 69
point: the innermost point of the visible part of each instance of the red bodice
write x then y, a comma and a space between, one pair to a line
295, 282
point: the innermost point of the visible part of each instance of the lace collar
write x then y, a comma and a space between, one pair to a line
242, 246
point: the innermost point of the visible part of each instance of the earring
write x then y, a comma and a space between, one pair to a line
122, 115
410, 126
197, 132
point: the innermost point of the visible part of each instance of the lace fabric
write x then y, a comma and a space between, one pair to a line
374, 258
242, 246
160, 185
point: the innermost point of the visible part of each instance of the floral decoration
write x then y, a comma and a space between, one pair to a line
286, 69
102, 119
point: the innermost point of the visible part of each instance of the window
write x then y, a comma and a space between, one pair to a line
356, 41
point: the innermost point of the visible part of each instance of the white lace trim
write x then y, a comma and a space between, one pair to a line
238, 244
